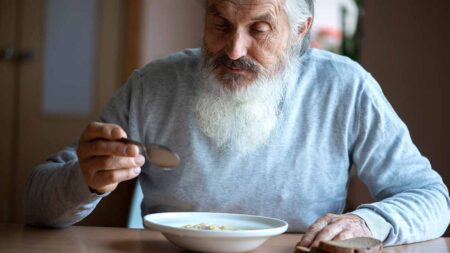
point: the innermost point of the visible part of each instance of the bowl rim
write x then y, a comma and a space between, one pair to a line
150, 221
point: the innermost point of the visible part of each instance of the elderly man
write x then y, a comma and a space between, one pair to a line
263, 126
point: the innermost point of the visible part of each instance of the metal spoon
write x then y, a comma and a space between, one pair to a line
158, 155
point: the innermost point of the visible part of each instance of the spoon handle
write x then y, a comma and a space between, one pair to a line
137, 143
129, 141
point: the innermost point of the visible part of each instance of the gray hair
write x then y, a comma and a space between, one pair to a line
298, 12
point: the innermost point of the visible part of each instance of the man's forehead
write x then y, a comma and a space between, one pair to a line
246, 2
247, 6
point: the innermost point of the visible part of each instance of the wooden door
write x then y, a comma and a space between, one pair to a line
8, 35
31, 134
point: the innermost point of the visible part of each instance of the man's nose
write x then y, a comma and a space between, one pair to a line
237, 46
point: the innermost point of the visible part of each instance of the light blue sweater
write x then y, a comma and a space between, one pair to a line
334, 116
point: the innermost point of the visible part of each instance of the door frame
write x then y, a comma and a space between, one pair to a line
8, 99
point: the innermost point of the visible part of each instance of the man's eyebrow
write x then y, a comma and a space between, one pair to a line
268, 17
213, 10
264, 17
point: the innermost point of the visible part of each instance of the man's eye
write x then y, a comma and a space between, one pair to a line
221, 23
260, 28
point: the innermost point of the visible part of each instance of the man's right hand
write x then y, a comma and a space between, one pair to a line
104, 161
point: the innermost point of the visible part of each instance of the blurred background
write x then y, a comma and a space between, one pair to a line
60, 62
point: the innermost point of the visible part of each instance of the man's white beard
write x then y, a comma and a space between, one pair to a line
242, 119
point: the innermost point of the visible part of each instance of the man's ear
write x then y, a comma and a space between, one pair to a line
304, 28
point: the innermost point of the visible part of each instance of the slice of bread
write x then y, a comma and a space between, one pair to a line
354, 245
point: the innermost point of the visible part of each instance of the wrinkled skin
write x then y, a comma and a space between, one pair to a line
334, 227
253, 31
104, 161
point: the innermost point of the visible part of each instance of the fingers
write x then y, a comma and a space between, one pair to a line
99, 139
106, 148
334, 227
329, 232
344, 235
106, 177
98, 130
314, 229
113, 163
105, 161
107, 180
104, 173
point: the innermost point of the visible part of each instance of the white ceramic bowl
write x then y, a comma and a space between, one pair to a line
251, 231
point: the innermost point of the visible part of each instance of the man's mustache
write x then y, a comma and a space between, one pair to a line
243, 63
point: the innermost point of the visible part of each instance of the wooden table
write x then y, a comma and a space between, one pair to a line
19, 238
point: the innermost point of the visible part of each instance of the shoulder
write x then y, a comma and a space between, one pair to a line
166, 77
348, 82
333, 65
326, 76
322, 70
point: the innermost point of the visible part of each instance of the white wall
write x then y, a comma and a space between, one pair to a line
328, 15
170, 25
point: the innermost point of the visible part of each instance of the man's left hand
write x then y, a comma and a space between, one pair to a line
334, 227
